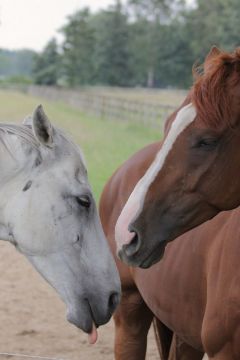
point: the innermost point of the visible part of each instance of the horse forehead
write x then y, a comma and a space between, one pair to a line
135, 203
67, 155
73, 151
183, 119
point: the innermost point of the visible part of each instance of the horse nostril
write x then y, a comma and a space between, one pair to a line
113, 301
133, 247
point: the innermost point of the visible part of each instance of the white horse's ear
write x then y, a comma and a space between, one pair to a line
28, 121
42, 128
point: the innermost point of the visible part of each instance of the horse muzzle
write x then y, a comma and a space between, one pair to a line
133, 253
93, 311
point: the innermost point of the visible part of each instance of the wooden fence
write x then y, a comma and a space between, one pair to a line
107, 106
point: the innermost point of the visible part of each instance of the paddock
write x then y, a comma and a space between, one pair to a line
33, 318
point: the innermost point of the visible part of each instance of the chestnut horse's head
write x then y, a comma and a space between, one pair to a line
195, 174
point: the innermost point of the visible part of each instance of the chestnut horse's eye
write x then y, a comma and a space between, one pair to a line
206, 143
84, 201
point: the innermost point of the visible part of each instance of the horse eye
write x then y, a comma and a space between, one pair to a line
84, 201
207, 143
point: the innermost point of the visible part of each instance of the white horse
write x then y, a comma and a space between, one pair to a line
48, 212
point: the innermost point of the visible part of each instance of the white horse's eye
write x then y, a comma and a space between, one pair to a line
84, 201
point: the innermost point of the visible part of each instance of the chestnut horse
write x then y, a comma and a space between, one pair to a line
194, 290
193, 176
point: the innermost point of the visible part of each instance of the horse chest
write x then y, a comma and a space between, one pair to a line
173, 296
221, 324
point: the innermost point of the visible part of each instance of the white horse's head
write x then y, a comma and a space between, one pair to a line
48, 212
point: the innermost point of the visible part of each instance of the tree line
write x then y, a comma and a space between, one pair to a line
150, 43
16, 64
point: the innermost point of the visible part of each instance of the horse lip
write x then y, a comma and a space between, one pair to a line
152, 259
148, 261
73, 320
85, 326
91, 314
155, 255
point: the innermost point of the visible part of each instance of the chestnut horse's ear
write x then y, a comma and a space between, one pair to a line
213, 53
42, 127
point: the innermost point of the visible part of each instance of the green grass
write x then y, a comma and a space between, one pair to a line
106, 144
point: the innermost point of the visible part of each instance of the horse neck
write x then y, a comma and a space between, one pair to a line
10, 175
11, 170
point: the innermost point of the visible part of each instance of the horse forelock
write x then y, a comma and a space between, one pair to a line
25, 133
21, 131
210, 93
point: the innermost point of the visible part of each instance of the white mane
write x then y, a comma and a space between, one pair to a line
22, 131
25, 133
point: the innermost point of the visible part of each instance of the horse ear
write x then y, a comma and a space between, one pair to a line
214, 52
28, 121
42, 127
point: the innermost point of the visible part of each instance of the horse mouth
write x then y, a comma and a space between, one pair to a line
88, 323
155, 256
136, 260
89, 327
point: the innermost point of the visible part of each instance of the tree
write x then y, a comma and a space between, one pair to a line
214, 22
46, 65
151, 37
78, 49
112, 47
16, 63
153, 10
174, 56
150, 43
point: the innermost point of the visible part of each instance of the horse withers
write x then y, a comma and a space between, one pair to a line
193, 176
48, 212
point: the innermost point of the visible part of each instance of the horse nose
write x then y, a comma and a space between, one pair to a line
113, 301
102, 310
133, 246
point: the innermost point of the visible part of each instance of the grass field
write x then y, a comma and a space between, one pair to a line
106, 144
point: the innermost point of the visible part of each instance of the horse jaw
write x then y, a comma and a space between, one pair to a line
5, 233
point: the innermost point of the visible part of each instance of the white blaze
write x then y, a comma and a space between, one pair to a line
134, 205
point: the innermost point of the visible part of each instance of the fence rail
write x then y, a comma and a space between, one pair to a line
106, 106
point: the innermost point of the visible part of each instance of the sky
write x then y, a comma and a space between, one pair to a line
32, 23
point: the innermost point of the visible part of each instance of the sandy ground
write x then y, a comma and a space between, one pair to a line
33, 318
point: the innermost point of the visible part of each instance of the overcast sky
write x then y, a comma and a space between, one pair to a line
31, 23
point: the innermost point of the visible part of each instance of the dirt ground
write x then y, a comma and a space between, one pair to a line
33, 318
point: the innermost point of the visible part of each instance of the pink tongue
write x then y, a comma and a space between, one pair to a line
92, 338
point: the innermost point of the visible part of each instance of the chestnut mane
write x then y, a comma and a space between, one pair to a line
210, 92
